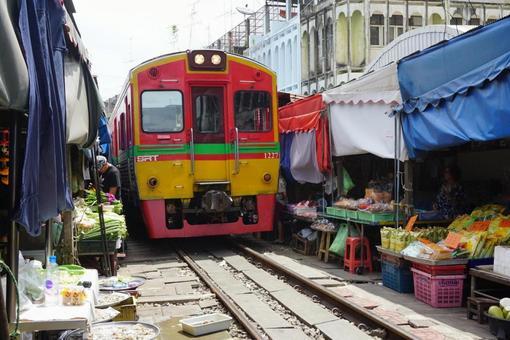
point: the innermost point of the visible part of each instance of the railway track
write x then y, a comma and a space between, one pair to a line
270, 301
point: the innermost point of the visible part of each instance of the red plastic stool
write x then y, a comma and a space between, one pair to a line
351, 262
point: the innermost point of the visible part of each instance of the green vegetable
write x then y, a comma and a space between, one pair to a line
496, 312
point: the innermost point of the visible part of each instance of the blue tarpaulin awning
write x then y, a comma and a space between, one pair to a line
457, 91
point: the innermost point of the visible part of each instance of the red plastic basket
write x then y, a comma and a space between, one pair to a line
438, 291
458, 269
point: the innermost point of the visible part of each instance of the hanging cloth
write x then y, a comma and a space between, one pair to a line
303, 159
285, 144
44, 189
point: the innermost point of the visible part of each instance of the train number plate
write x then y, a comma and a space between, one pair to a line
271, 155
153, 158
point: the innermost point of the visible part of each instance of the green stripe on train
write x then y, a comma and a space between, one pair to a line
204, 149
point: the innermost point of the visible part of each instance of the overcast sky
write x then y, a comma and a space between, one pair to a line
120, 34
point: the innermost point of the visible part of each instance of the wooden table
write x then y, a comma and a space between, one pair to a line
483, 276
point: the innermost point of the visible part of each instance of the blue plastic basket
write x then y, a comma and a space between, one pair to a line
398, 278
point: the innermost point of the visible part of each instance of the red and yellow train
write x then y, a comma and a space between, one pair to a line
195, 136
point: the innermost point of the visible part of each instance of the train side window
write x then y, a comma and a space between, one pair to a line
252, 111
123, 131
162, 111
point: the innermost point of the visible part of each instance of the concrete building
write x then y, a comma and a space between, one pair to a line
270, 36
340, 38
279, 49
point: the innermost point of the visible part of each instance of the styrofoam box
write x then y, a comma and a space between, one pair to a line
205, 324
502, 260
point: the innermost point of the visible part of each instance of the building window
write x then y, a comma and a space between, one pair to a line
329, 45
396, 26
162, 111
457, 21
490, 20
415, 21
474, 21
252, 111
376, 29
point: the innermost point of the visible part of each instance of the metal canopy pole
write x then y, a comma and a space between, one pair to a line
101, 216
13, 238
395, 172
48, 248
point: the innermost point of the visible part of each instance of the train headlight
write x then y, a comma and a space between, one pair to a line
152, 182
216, 59
267, 177
199, 59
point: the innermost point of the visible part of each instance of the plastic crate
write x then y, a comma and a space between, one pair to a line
331, 211
443, 291
398, 261
340, 212
353, 214
458, 269
397, 277
376, 217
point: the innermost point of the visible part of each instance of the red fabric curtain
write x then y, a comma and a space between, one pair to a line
301, 115
305, 115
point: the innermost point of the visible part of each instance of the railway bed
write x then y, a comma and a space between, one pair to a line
267, 299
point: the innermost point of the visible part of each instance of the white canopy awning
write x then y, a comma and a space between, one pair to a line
360, 122
13, 69
375, 87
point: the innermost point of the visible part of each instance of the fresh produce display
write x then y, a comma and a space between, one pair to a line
396, 239
482, 230
364, 204
475, 236
87, 219
502, 311
487, 212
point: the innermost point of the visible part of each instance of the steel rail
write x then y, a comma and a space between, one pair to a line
225, 300
393, 331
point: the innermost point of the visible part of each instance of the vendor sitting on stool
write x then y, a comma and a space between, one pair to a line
110, 176
450, 201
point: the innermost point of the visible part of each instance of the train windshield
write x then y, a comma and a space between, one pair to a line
162, 111
252, 111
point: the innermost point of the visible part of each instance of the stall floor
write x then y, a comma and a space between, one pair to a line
369, 286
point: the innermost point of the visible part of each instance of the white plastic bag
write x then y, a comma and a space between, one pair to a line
30, 282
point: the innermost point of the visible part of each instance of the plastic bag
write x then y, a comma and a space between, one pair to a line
338, 245
30, 282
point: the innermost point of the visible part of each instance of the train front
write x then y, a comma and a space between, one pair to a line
206, 145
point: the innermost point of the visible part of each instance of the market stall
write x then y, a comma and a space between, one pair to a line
305, 163
36, 167
454, 115
360, 125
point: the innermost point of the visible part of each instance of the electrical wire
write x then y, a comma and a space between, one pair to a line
14, 333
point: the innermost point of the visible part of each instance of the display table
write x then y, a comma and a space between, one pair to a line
389, 252
488, 284
428, 262
53, 318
